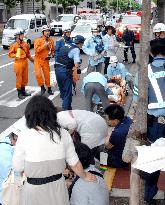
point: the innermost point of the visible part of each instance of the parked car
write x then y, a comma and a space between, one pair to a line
133, 22
61, 21
82, 29
31, 23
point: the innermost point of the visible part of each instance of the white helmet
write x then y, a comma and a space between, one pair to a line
159, 27
113, 59
94, 28
45, 28
66, 28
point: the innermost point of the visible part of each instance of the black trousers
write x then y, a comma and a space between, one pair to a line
106, 62
132, 48
95, 88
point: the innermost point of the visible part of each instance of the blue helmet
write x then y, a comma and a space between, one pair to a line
79, 39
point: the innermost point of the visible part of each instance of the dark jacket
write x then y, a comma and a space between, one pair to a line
128, 37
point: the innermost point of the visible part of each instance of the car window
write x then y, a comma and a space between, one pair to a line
32, 24
18, 23
131, 20
44, 22
38, 22
82, 29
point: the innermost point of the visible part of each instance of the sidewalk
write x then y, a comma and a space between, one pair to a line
121, 185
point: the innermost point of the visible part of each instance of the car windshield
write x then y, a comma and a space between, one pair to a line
18, 23
94, 17
131, 20
82, 29
65, 18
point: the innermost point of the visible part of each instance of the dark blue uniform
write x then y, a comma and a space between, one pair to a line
66, 59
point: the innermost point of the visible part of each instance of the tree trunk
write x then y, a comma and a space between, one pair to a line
140, 126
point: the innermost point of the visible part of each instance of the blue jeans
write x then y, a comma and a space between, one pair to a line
64, 80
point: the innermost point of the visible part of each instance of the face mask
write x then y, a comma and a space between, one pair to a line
95, 34
66, 38
113, 65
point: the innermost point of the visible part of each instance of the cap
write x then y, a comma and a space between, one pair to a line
79, 39
66, 29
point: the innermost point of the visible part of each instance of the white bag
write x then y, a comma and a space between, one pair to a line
11, 189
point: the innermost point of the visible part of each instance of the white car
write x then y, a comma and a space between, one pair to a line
30, 23
82, 29
61, 21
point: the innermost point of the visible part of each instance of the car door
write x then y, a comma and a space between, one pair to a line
31, 31
38, 27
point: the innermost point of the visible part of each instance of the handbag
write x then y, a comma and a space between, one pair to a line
11, 189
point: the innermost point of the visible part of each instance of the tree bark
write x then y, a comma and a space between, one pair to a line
140, 126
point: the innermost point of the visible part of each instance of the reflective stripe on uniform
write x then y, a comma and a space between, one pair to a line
135, 90
152, 77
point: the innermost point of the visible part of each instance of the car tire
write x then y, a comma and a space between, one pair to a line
5, 47
29, 43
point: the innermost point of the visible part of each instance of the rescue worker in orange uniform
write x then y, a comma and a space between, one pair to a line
21, 53
44, 50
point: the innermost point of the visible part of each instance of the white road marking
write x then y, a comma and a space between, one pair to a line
12, 99
84, 70
3, 66
3, 54
53, 81
21, 122
1, 82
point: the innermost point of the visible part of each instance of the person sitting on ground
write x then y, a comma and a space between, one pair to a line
90, 126
118, 95
83, 193
116, 141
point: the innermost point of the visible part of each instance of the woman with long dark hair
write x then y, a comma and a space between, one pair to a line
41, 153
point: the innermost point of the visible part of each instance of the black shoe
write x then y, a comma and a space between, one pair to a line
134, 61
43, 90
20, 95
24, 93
125, 61
50, 91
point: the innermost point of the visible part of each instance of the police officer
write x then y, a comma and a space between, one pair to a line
67, 63
159, 32
20, 52
128, 39
156, 105
65, 39
94, 48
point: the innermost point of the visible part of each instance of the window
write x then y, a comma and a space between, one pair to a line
38, 22
18, 23
32, 24
44, 22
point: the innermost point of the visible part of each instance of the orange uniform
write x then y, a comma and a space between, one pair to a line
20, 63
41, 61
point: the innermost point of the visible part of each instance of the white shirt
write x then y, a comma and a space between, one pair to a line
91, 126
110, 43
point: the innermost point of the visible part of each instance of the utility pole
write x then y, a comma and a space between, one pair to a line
56, 8
117, 6
33, 7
